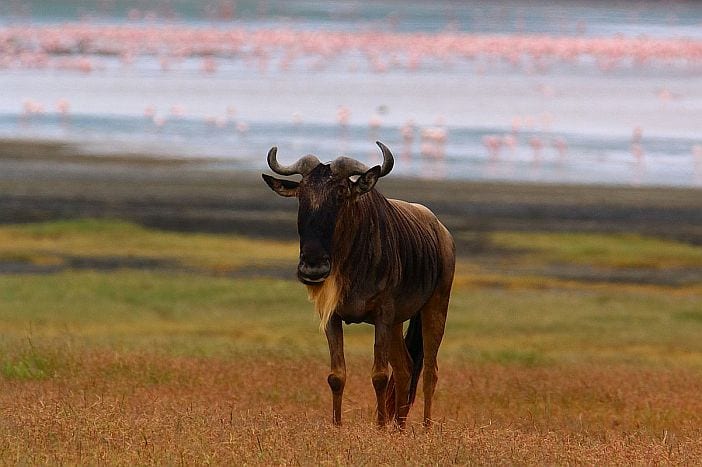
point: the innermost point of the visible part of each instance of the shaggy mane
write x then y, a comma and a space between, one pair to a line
378, 244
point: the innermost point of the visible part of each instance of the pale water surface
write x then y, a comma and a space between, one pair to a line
479, 117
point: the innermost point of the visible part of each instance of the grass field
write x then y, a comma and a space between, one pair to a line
122, 345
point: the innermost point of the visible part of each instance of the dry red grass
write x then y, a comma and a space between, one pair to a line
125, 409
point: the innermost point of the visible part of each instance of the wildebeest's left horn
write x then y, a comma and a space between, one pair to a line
302, 166
388, 160
346, 167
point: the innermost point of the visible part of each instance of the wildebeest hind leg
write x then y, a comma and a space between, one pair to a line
433, 322
398, 388
381, 372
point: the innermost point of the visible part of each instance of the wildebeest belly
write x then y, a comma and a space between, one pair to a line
369, 310
397, 270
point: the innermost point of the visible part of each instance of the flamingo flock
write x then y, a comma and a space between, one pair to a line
89, 48
495, 143
85, 46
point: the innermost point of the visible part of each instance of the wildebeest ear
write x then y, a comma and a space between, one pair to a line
366, 182
285, 188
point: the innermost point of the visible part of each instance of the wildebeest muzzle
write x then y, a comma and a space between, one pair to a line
314, 266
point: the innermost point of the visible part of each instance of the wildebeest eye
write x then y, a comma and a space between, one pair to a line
343, 191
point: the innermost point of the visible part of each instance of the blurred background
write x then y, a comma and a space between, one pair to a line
149, 311
574, 92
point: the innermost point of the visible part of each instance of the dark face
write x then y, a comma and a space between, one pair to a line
321, 195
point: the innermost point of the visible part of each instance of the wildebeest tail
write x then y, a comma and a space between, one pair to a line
415, 347
413, 341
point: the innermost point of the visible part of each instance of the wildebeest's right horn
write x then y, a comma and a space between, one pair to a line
302, 166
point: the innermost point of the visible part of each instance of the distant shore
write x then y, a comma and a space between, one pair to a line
41, 181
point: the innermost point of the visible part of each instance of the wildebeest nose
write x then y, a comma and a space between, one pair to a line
313, 268
313, 258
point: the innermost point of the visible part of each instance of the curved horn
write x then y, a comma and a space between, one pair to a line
346, 167
388, 160
302, 166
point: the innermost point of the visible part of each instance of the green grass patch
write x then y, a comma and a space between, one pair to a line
574, 326
29, 363
198, 313
602, 250
179, 312
186, 314
694, 316
29, 366
52, 242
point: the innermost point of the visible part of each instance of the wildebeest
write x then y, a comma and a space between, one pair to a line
365, 258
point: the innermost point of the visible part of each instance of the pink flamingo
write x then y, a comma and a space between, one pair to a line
158, 121
177, 110
492, 144
510, 141
516, 124
343, 115
407, 133
29, 109
375, 121
242, 127
636, 147
536, 146
63, 106
209, 65
561, 146
433, 144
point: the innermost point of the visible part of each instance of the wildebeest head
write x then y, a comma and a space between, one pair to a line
322, 193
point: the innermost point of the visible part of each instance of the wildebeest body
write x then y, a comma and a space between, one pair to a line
365, 258
383, 245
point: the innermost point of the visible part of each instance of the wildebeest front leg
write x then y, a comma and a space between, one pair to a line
337, 377
381, 371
